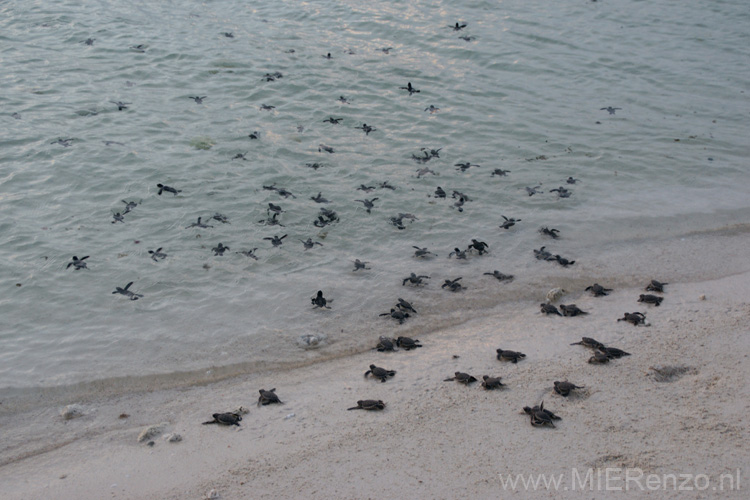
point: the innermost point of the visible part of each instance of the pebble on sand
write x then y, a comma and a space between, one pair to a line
72, 411
152, 431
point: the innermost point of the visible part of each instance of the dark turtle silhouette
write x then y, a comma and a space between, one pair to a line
358, 264
380, 373
571, 310
512, 356
368, 203
385, 344
479, 246
268, 397
343, 100
63, 142
220, 249
272, 221
457, 26
327, 149
409, 88
599, 358
332, 120
543, 254
499, 172
225, 419
550, 309
533, 190
571, 180
310, 243
561, 192
228, 34
240, 156
249, 253
453, 285
432, 109
127, 293
397, 314
129, 206
320, 301
157, 254
368, 404
492, 382
386, 185
274, 208
255, 135
266, 107
459, 204
405, 306
197, 99
168, 189
589, 342
138, 48
386, 50
463, 167
366, 128
109, 143
509, 222
650, 299
636, 318
550, 232
282, 192
327, 56
563, 261
500, 276
460, 254
408, 343
439, 193
276, 240
610, 110
319, 199
656, 286
461, 377
467, 38
413, 279
220, 217
78, 263
425, 171
540, 417
598, 290
118, 218
88, 41
198, 224
364, 188
423, 252
564, 388
121, 105
613, 352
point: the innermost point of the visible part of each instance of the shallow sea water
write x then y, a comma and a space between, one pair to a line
523, 95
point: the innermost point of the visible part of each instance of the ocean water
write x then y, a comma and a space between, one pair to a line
524, 94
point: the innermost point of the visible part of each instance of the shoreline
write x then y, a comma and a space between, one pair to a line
435, 439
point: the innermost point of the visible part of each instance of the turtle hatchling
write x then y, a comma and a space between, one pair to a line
407, 344
656, 286
368, 404
385, 344
636, 318
225, 419
268, 397
564, 388
650, 299
461, 377
381, 373
512, 356
491, 382
571, 310
598, 290
550, 309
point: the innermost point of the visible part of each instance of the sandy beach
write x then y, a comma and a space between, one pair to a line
675, 407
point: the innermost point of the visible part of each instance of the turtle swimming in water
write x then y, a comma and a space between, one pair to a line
268, 397
563, 261
407, 343
385, 344
500, 172
461, 377
168, 189
129, 205
533, 190
491, 382
320, 301
77, 263
550, 309
564, 388
409, 88
369, 205
550, 232
542, 254
589, 342
249, 253
413, 279
561, 192
118, 218
512, 356
405, 306
656, 286
397, 314
198, 224
380, 373
366, 128
453, 285
571, 310
157, 254
479, 246
276, 241
650, 299
423, 252
220, 249
609, 109
319, 199
310, 243
500, 276
358, 264
508, 222
225, 419
636, 318
197, 98
598, 290
368, 404
460, 254
127, 293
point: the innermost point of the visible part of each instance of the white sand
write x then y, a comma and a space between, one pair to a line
435, 439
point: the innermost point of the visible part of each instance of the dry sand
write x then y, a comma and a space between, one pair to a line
435, 439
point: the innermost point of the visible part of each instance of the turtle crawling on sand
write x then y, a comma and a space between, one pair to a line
491, 382
225, 419
461, 377
268, 397
636, 318
650, 299
512, 356
368, 404
599, 358
656, 286
613, 352
500, 276
598, 290
385, 344
539, 417
381, 373
571, 310
589, 342
549, 309
407, 343
564, 388
397, 314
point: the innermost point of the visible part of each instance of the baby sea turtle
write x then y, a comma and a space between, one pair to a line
439, 193
228, 34
157, 254
492, 382
220, 217
343, 100
63, 142
423, 252
268, 397
479, 246
121, 105
386, 50
650, 299
432, 109
197, 99
386, 185
636, 318
564, 388
319, 199
126, 292
589, 342
240, 156
366, 128
168, 189
561, 192
540, 417
366, 189
467, 38
78, 263
543, 254
368, 203
599, 358
571, 180
88, 41
512, 356
598, 290
463, 167
563, 261
310, 243
500, 172
550, 309
613, 352
405, 306
459, 204
409, 88
198, 224
397, 314
500, 276
413, 279
220, 249
656, 286
609, 109
274, 208
533, 190
255, 135
550, 232
272, 221
407, 343
461, 377
323, 147
571, 310
457, 26
425, 171
129, 205
368, 404
320, 301
249, 253
460, 254
118, 218
380, 373
385, 344
266, 107
276, 240
327, 56
509, 222
333, 121
225, 419
453, 285
358, 264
